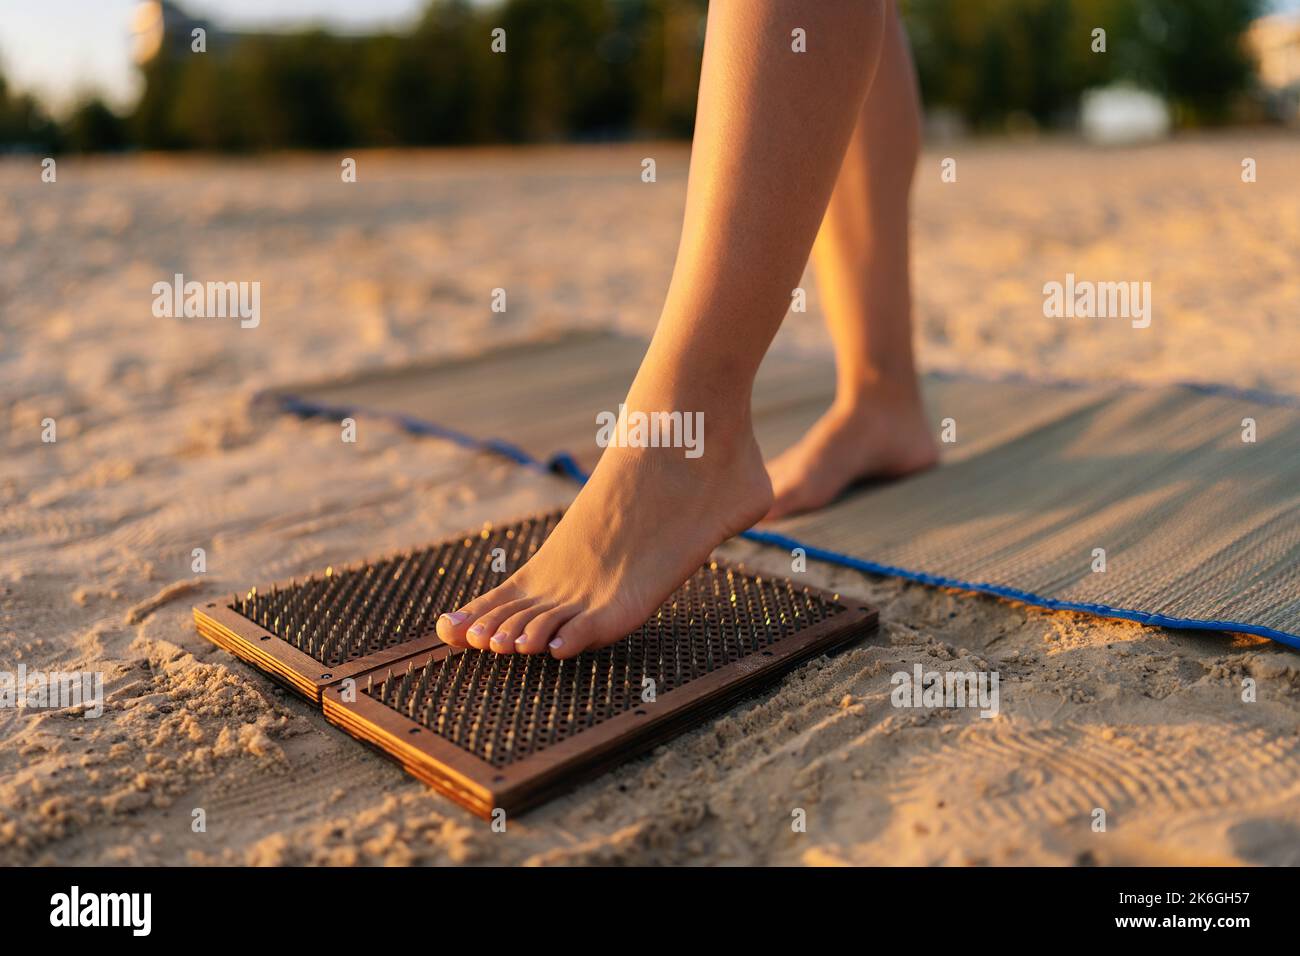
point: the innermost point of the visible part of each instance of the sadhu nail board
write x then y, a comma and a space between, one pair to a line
320, 630
508, 731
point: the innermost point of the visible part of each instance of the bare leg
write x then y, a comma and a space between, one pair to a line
876, 426
771, 131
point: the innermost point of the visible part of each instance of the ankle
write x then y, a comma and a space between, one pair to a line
675, 432
722, 414
867, 394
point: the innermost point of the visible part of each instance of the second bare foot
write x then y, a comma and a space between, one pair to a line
875, 436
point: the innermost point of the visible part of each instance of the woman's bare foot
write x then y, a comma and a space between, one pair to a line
877, 435
643, 523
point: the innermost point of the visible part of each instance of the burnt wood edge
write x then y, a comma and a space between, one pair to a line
474, 783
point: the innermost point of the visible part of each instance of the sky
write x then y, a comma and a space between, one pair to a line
60, 49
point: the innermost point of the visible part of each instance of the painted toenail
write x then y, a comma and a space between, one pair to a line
556, 644
477, 629
456, 617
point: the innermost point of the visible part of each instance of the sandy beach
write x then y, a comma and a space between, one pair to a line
159, 451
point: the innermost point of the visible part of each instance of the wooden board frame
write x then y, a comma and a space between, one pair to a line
476, 784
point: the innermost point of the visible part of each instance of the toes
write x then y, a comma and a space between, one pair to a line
539, 631
453, 627
479, 634
503, 640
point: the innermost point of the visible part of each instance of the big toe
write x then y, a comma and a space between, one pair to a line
451, 628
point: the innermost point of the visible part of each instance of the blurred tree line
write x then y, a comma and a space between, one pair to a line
22, 120
603, 69
991, 61
572, 69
